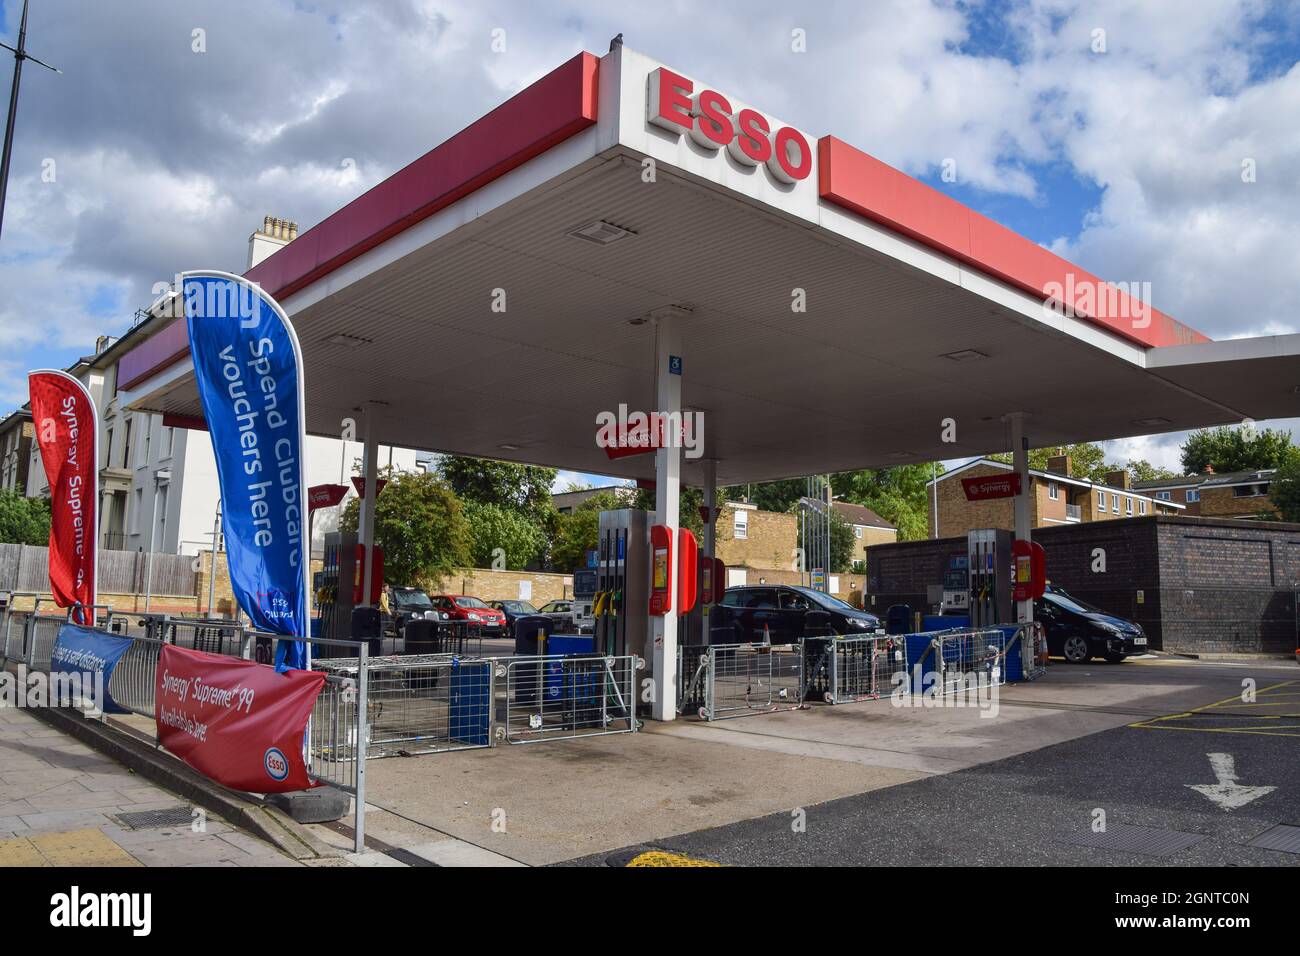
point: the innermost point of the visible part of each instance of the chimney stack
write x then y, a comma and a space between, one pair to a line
274, 235
1120, 479
1060, 465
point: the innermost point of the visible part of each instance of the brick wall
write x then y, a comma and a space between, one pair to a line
1222, 503
769, 545
1196, 585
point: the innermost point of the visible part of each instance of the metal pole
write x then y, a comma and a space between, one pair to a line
362, 747
153, 535
20, 54
212, 567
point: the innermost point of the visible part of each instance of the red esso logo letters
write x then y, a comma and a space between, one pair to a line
707, 116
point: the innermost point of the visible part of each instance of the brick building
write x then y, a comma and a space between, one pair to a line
868, 529
1237, 494
1195, 584
1057, 498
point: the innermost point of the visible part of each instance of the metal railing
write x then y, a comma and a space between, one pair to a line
338, 729
953, 662
134, 682
741, 679
550, 697
848, 669
422, 703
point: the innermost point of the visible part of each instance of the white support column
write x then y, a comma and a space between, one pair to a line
369, 468
668, 482
1020, 461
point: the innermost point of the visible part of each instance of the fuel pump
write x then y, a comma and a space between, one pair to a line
989, 560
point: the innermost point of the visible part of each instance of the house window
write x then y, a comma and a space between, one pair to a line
148, 436
1250, 491
1142, 506
1193, 495
165, 443
1101, 501
1114, 503
740, 524
1163, 496
857, 531
139, 507
1128, 506
126, 444
1053, 490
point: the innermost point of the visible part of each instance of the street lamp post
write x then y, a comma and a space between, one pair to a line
20, 53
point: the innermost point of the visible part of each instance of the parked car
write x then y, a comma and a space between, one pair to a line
561, 614
463, 607
513, 610
1079, 632
405, 604
784, 613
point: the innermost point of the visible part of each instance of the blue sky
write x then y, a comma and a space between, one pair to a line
1125, 161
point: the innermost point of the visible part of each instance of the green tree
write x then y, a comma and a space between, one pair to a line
24, 520
578, 532
1285, 489
522, 488
420, 524
1143, 470
498, 532
900, 495
1233, 448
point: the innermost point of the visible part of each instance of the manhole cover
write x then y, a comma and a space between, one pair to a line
1282, 837
1148, 841
145, 819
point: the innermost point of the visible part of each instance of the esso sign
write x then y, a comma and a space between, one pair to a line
708, 118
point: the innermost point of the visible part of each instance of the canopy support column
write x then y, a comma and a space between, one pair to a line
668, 481
366, 522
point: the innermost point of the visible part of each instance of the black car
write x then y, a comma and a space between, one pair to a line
1079, 632
784, 613
513, 610
407, 603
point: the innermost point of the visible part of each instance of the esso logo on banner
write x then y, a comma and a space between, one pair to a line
707, 116
277, 765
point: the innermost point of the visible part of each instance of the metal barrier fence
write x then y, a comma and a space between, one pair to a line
134, 682
551, 697
741, 679
43, 631
961, 657
422, 703
845, 669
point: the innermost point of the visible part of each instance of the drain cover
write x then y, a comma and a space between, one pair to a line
1281, 837
1148, 841
145, 819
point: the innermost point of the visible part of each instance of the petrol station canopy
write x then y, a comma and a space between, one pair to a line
496, 294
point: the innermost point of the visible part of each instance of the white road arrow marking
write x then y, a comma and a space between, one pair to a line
1227, 793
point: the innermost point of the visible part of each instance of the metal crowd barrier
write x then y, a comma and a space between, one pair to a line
741, 679
845, 669
962, 658
422, 703
134, 682
551, 697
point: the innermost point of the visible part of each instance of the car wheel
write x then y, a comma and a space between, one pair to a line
1076, 650
1115, 658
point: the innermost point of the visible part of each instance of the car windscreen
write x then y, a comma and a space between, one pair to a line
469, 602
825, 600
519, 607
411, 598
1061, 599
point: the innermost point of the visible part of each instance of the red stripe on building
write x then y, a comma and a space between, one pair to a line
548, 112
863, 184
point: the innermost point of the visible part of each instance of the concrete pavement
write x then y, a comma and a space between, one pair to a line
62, 804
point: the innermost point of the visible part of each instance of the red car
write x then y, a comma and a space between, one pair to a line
462, 607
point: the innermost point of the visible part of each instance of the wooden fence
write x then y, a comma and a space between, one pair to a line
25, 567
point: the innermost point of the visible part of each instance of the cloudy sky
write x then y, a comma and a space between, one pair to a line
1115, 133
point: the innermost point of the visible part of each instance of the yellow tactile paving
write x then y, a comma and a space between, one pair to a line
64, 848
660, 858
18, 851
